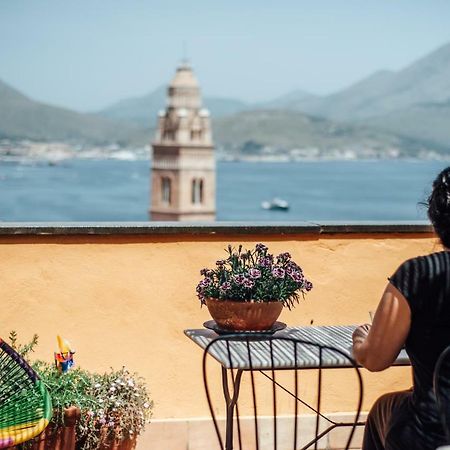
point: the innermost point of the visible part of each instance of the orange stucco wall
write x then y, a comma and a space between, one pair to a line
125, 300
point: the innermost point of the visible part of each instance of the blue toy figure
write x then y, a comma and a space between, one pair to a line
64, 359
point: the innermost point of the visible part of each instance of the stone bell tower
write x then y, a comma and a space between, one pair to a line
183, 168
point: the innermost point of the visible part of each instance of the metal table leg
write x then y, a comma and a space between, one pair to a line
230, 404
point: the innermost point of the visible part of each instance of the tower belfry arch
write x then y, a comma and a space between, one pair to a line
183, 166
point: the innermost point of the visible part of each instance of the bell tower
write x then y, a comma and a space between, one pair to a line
183, 168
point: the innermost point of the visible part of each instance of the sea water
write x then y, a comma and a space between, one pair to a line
111, 190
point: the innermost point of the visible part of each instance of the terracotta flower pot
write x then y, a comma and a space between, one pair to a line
64, 437
244, 316
110, 443
57, 438
125, 444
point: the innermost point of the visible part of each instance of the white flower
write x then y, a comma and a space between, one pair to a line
97, 385
112, 388
146, 405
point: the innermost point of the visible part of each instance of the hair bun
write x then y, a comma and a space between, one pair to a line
439, 206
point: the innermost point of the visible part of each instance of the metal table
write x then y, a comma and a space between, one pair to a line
337, 336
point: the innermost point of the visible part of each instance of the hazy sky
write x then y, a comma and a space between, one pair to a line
86, 54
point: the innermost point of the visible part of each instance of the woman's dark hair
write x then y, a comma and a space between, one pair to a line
439, 206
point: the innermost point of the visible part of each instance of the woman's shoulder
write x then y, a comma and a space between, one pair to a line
425, 265
417, 275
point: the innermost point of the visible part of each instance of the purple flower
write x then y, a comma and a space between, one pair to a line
203, 271
220, 263
296, 276
254, 273
225, 286
239, 279
278, 272
285, 255
205, 282
261, 248
266, 261
308, 285
290, 270
293, 267
248, 283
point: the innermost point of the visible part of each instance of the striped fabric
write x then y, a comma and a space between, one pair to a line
234, 353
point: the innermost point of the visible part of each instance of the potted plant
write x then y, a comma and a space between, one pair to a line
248, 289
103, 411
114, 406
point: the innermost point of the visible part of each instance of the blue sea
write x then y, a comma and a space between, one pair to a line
112, 190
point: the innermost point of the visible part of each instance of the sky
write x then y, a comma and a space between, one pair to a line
87, 54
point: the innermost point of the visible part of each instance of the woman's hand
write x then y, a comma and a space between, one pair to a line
376, 346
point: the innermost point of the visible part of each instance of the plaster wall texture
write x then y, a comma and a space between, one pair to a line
125, 300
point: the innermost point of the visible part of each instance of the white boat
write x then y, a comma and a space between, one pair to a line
276, 203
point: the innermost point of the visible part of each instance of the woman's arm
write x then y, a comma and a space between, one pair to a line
376, 347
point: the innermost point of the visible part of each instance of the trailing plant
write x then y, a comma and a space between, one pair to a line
22, 349
114, 405
254, 275
120, 409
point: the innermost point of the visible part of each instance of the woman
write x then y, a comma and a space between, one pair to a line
414, 312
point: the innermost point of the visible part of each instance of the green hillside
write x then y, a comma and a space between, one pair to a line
289, 129
24, 118
428, 122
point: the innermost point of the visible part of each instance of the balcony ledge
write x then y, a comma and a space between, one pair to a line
208, 228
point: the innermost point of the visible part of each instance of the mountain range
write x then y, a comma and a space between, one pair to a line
425, 81
144, 110
24, 118
409, 108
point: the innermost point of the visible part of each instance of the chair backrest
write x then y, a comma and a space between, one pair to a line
441, 384
271, 392
25, 404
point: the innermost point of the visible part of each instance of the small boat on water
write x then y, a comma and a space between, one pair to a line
276, 204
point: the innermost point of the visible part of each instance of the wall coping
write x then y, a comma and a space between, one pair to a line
208, 228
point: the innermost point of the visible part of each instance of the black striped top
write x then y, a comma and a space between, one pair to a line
425, 283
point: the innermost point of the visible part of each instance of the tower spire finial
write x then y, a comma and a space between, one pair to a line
185, 58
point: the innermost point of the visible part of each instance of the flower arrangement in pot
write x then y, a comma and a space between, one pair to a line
247, 290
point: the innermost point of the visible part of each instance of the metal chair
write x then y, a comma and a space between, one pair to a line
25, 404
262, 357
441, 385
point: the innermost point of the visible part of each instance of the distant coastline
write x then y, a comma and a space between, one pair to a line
55, 152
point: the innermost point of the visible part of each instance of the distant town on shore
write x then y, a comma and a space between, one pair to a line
388, 115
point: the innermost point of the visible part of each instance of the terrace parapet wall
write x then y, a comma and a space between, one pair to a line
123, 293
